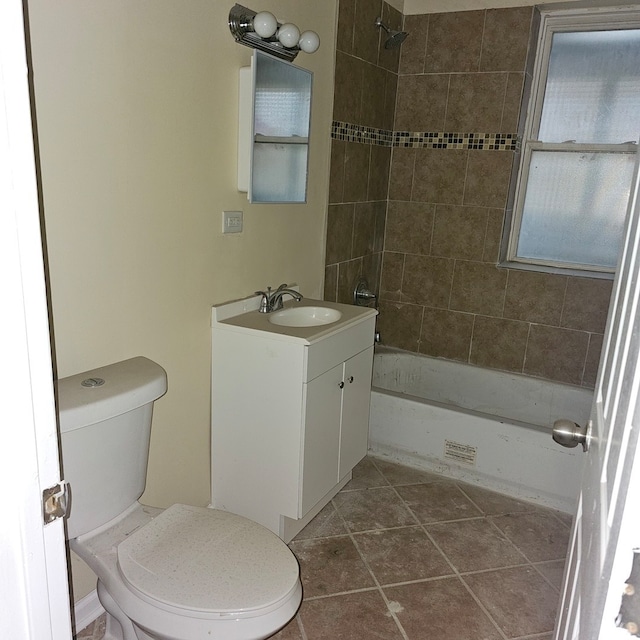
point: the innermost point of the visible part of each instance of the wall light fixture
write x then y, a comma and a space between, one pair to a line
262, 31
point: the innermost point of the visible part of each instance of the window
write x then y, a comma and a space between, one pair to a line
579, 143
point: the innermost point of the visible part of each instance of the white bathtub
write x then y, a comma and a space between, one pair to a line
489, 428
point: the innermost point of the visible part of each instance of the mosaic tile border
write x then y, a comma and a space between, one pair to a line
424, 140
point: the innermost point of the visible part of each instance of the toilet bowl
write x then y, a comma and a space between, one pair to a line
183, 573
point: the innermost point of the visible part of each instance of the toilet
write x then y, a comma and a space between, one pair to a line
182, 573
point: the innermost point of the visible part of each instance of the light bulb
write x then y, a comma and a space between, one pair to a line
309, 41
265, 24
288, 35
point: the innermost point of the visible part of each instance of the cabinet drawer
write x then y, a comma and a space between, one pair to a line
326, 354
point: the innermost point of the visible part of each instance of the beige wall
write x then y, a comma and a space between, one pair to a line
137, 119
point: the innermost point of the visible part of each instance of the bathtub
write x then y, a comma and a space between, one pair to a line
489, 428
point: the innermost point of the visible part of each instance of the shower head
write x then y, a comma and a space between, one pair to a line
395, 39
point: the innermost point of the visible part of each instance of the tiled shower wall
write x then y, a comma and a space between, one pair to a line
460, 80
365, 94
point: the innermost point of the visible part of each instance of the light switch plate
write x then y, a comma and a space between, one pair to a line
231, 221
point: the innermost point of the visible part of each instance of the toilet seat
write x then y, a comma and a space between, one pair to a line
208, 563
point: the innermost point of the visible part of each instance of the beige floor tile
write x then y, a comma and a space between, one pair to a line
440, 609
378, 508
327, 523
330, 565
474, 545
437, 502
290, 632
365, 476
495, 504
553, 571
539, 535
355, 616
401, 555
519, 599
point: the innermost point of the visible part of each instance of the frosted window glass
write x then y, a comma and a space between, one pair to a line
575, 207
282, 98
593, 88
279, 172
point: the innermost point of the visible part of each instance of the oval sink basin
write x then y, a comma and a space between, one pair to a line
305, 316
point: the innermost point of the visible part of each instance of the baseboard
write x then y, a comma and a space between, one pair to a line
86, 610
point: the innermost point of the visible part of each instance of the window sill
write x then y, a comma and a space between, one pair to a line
561, 271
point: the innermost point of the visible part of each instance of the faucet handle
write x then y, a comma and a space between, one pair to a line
265, 302
284, 285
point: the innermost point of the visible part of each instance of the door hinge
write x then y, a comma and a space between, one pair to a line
55, 502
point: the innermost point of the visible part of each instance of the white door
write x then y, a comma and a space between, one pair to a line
33, 570
607, 525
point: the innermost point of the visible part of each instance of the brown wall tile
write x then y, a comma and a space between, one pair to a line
587, 304
439, 176
512, 103
346, 22
454, 42
494, 236
499, 344
427, 280
556, 354
336, 175
459, 232
348, 272
401, 173
421, 103
389, 58
356, 172
475, 102
409, 227
590, 375
331, 283
373, 107
488, 174
347, 88
339, 233
506, 39
446, 334
413, 50
379, 164
372, 271
399, 325
478, 288
534, 297
391, 92
391, 279
366, 222
366, 37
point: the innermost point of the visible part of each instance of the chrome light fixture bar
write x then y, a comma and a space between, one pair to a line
263, 31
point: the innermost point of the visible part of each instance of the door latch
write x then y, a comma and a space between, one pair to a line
55, 502
569, 434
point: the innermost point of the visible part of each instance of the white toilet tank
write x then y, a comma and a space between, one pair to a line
105, 424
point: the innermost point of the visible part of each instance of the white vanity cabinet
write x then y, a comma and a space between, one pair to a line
290, 413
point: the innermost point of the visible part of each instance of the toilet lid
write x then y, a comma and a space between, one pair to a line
209, 561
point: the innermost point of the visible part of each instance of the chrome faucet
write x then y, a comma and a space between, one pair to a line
273, 301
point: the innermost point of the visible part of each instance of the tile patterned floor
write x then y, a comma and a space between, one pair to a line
401, 554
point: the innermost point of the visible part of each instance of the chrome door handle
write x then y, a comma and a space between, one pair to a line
570, 434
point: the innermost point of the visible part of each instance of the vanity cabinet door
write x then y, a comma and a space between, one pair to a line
321, 439
356, 398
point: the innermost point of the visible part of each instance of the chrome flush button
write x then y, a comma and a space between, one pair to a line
92, 382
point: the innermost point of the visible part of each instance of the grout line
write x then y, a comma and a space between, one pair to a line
301, 628
390, 611
483, 608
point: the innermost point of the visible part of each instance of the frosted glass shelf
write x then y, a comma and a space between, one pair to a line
281, 139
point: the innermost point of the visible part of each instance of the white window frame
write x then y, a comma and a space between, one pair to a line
551, 22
